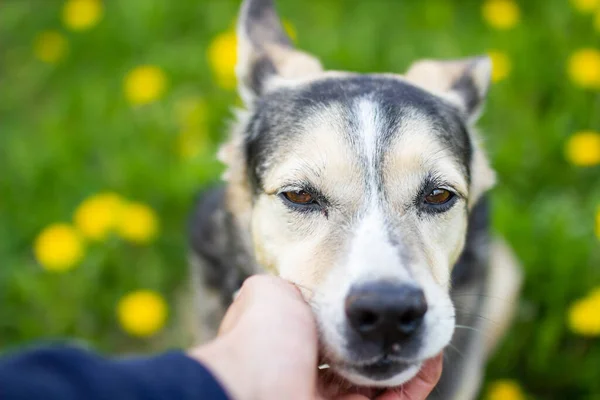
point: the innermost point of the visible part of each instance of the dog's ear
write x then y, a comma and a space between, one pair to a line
265, 52
465, 82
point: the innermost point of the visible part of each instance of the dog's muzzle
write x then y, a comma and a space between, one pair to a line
385, 314
384, 322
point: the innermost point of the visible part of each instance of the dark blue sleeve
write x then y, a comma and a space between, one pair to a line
67, 373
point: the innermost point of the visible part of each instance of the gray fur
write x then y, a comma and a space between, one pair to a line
262, 25
216, 242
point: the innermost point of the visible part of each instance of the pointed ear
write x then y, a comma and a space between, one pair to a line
465, 82
265, 52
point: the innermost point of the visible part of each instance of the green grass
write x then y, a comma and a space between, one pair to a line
67, 132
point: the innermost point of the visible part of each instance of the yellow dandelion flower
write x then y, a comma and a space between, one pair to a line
222, 55
145, 84
505, 390
137, 223
191, 112
58, 248
142, 313
584, 316
585, 6
584, 68
97, 215
222, 58
583, 149
501, 14
290, 29
50, 47
80, 15
501, 65
191, 143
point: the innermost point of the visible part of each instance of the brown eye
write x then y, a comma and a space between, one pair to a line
438, 196
299, 197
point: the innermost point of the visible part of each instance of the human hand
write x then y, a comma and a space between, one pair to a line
267, 348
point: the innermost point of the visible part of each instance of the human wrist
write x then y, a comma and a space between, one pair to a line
223, 359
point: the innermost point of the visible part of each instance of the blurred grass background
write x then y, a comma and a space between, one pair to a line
70, 128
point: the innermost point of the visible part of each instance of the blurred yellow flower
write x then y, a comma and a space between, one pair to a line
145, 84
97, 215
290, 30
583, 149
80, 15
142, 313
222, 55
222, 58
505, 390
137, 223
501, 65
584, 315
191, 112
584, 68
585, 6
58, 248
50, 47
191, 143
501, 14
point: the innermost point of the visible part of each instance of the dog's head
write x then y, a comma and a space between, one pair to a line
358, 188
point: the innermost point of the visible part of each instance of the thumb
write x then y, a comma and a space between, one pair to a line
262, 293
234, 312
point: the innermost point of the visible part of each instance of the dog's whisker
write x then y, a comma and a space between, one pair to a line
450, 345
468, 327
471, 328
472, 315
480, 316
481, 295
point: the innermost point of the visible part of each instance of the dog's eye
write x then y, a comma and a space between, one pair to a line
439, 196
299, 197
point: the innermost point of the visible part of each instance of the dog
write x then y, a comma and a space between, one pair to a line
367, 191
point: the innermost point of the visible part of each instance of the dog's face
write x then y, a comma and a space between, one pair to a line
358, 189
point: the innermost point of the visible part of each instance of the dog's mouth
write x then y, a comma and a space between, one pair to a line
382, 369
373, 378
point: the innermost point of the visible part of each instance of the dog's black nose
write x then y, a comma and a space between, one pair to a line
385, 312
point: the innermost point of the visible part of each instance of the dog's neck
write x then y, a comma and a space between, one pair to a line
219, 238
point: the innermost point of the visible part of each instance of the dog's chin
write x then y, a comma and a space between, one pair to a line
381, 374
367, 379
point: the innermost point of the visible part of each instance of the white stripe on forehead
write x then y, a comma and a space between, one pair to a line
367, 116
369, 129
